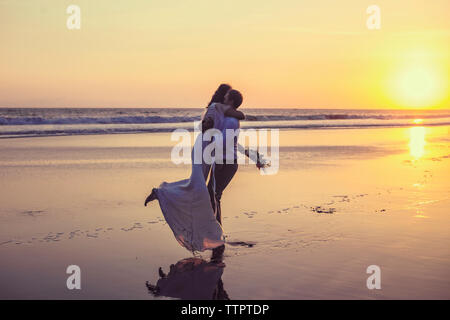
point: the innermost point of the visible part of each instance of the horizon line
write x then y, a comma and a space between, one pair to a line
297, 108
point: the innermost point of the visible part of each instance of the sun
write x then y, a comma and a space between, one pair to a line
418, 86
418, 78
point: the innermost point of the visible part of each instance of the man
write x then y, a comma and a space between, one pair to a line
225, 170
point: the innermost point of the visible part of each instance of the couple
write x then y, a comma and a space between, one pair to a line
191, 207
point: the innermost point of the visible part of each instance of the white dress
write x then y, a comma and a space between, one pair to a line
186, 204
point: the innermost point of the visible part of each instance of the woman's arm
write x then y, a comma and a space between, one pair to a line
255, 156
232, 112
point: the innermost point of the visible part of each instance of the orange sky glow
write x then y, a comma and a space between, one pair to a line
291, 54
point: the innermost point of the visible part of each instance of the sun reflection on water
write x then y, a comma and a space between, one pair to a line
417, 141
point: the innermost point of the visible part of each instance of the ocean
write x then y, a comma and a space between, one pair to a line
17, 122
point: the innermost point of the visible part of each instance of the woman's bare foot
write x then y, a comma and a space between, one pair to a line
152, 196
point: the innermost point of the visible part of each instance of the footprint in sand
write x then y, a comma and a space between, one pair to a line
249, 214
95, 235
33, 213
284, 210
320, 209
137, 225
343, 198
241, 244
59, 236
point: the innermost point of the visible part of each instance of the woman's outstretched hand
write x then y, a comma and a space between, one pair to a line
260, 161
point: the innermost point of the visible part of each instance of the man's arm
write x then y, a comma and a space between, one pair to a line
232, 112
208, 122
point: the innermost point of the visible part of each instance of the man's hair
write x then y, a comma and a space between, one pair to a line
236, 97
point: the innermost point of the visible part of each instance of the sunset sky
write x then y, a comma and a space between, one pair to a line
167, 53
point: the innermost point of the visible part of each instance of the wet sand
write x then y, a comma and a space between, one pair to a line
342, 200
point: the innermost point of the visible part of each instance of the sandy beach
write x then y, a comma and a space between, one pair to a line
343, 199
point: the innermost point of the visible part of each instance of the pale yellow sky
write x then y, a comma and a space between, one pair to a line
167, 53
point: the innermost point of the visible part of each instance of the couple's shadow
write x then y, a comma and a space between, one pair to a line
191, 279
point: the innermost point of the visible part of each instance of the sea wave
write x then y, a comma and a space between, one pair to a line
85, 129
77, 121
94, 120
86, 117
343, 116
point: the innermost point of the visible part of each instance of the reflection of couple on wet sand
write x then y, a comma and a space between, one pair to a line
191, 279
190, 206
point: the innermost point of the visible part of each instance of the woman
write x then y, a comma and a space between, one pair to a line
186, 204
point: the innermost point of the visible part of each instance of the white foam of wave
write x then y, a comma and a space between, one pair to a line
80, 129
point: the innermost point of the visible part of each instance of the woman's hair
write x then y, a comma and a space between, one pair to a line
219, 95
